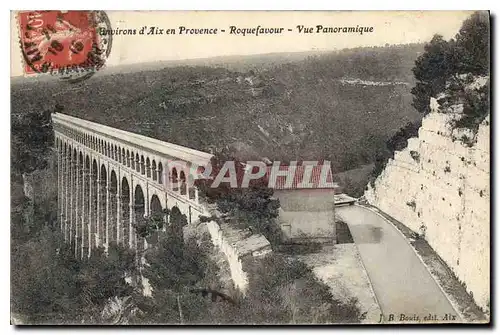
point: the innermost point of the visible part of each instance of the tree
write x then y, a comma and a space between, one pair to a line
103, 276
175, 268
443, 60
148, 227
32, 139
49, 285
431, 70
252, 207
473, 45
40, 291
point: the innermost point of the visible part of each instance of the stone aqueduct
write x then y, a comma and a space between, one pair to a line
108, 178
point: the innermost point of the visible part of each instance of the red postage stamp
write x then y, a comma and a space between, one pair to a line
63, 43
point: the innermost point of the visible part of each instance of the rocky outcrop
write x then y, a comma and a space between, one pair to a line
439, 187
41, 185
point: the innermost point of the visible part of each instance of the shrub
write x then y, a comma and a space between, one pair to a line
423, 229
145, 226
252, 208
397, 142
412, 204
204, 219
50, 286
381, 159
415, 155
476, 108
285, 290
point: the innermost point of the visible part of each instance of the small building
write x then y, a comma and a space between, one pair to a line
306, 214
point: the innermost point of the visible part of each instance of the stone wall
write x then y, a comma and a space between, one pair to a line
440, 186
307, 215
236, 245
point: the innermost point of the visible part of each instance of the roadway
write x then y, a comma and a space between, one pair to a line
401, 282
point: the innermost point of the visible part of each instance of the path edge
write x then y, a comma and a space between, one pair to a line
453, 305
371, 288
370, 283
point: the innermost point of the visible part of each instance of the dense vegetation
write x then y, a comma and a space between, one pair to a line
447, 68
293, 107
50, 286
440, 68
285, 291
186, 289
31, 142
304, 110
251, 208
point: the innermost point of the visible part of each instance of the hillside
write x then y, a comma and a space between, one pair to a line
340, 106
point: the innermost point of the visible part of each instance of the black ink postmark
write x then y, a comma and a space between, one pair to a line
65, 44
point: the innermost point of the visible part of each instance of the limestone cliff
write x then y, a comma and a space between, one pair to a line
439, 186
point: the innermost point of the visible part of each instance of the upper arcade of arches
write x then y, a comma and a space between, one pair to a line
107, 141
143, 155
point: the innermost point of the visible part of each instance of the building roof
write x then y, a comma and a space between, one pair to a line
297, 176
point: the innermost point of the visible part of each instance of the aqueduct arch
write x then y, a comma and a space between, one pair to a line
108, 178
155, 206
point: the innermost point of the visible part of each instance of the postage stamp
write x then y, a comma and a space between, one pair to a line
63, 43
250, 168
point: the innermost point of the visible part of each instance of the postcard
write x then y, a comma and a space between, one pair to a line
250, 168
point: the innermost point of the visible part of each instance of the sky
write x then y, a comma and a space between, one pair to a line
390, 27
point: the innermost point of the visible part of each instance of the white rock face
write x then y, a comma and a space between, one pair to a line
441, 186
